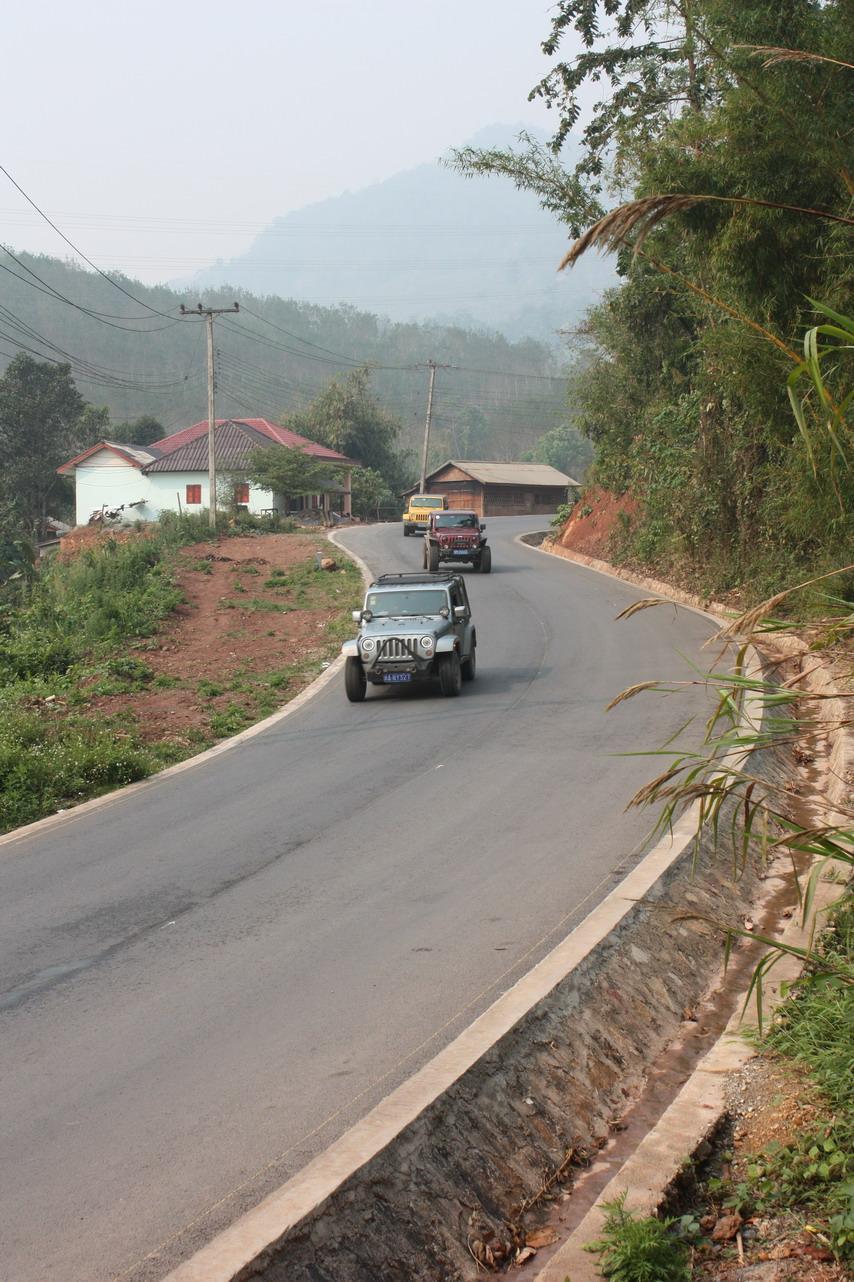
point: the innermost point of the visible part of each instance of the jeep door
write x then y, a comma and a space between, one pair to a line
463, 626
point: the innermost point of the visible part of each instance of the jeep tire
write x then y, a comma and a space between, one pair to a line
450, 674
355, 681
432, 558
468, 667
485, 560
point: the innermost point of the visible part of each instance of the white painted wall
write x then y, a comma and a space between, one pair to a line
166, 486
100, 483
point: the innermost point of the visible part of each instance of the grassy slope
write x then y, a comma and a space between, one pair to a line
82, 631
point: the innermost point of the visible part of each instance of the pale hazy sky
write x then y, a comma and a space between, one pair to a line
165, 134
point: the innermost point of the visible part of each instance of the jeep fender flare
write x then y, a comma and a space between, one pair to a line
351, 649
446, 643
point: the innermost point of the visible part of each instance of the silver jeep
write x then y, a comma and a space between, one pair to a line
412, 627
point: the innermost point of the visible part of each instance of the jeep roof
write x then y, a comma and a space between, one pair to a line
414, 577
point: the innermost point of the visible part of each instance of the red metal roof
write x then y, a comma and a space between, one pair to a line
283, 435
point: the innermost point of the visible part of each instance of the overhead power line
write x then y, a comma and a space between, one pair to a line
82, 367
139, 301
104, 318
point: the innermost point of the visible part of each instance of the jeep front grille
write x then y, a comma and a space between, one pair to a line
397, 648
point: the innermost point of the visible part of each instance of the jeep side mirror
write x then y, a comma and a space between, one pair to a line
357, 616
459, 611
482, 526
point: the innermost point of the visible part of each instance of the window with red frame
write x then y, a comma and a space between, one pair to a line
194, 494
241, 493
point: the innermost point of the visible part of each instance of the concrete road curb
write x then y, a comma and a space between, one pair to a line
714, 609
709, 609
314, 687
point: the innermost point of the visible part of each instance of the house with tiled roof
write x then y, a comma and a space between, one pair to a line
171, 475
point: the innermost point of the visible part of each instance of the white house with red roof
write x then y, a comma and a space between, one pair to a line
171, 475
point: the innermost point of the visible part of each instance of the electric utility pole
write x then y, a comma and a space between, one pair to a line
432, 366
209, 313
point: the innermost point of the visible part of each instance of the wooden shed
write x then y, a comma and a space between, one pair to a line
499, 489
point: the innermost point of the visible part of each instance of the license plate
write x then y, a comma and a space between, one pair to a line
462, 552
389, 677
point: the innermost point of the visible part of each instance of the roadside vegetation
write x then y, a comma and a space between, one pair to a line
80, 656
729, 125
780, 1183
788, 1199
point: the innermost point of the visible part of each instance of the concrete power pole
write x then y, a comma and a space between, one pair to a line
432, 366
209, 313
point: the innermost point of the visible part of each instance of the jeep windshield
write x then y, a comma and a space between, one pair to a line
457, 521
400, 603
426, 500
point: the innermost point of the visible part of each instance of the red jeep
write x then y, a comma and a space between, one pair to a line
456, 536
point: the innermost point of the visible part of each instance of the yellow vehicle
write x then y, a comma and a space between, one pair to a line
417, 515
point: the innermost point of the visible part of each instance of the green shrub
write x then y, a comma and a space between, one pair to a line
209, 689
639, 1250
228, 721
562, 515
129, 668
49, 761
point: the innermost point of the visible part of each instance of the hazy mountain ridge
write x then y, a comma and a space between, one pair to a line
422, 244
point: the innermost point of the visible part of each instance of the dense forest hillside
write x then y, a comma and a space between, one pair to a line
426, 244
140, 358
732, 127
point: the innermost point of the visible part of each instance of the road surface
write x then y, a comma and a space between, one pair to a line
204, 983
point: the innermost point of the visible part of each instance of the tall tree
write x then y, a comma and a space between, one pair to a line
289, 472
140, 431
40, 415
346, 417
747, 105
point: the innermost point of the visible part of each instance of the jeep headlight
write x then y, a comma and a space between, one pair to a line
426, 643
368, 644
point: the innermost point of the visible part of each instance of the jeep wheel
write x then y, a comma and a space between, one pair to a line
450, 674
355, 681
432, 558
468, 667
486, 561
407, 530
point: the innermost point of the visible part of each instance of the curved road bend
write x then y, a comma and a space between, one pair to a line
206, 982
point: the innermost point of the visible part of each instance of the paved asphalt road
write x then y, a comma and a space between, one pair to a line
205, 983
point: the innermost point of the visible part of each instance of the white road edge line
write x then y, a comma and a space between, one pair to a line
233, 1250
119, 794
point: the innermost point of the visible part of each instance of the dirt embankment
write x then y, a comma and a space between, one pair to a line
256, 622
595, 522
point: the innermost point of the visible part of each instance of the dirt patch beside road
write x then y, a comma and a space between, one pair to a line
257, 622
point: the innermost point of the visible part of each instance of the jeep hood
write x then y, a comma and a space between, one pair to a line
407, 625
